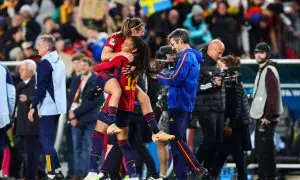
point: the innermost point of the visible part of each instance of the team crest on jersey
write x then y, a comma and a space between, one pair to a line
112, 42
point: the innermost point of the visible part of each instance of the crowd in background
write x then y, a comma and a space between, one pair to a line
240, 24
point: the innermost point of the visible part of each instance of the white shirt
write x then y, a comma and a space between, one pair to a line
27, 81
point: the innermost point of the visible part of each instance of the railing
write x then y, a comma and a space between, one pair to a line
243, 61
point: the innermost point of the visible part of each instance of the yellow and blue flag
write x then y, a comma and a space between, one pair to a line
153, 6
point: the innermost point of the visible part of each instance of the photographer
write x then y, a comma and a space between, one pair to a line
236, 131
210, 103
168, 56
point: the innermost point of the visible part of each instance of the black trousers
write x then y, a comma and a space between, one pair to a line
231, 145
111, 166
265, 150
212, 125
32, 155
3, 144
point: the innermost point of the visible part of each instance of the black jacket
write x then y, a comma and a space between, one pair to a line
237, 106
23, 125
87, 112
209, 96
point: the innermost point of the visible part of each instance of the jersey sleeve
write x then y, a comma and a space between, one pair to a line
108, 65
111, 42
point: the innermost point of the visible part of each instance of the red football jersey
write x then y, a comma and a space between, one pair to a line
115, 42
127, 83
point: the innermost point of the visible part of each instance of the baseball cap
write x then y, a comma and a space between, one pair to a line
262, 47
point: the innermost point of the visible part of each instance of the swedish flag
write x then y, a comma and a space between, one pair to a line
152, 6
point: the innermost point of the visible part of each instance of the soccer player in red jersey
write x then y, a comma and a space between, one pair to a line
131, 27
126, 102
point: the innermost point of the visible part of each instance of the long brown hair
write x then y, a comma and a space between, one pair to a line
130, 24
142, 59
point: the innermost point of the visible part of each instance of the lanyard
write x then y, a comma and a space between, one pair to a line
77, 91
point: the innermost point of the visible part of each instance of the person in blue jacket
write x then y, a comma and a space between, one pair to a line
50, 101
7, 99
183, 84
198, 29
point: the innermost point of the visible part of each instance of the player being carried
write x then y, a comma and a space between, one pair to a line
108, 71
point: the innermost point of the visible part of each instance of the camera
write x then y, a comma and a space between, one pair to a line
161, 56
231, 75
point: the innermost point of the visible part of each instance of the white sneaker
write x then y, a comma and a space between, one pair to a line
134, 178
92, 176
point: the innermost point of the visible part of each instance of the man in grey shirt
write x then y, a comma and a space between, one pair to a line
265, 109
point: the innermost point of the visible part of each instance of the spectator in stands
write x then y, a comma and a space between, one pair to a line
8, 7
49, 100
28, 52
66, 58
295, 17
173, 20
263, 31
31, 28
62, 13
82, 116
96, 42
198, 29
26, 130
226, 28
48, 28
16, 21
266, 109
3, 29
7, 99
14, 42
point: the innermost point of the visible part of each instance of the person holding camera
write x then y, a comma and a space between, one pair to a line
236, 138
168, 57
210, 103
266, 109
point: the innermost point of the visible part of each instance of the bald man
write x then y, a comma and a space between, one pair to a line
210, 103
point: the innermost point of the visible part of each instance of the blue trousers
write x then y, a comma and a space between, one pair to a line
82, 146
47, 139
183, 158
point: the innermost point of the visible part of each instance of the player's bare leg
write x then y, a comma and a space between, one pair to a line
113, 88
149, 116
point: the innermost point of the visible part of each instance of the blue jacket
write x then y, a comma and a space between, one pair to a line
7, 96
183, 82
88, 111
97, 46
50, 94
197, 33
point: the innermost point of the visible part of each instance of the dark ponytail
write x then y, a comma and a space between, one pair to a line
142, 59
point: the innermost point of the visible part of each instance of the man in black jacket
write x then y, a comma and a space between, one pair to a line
26, 130
83, 115
210, 103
